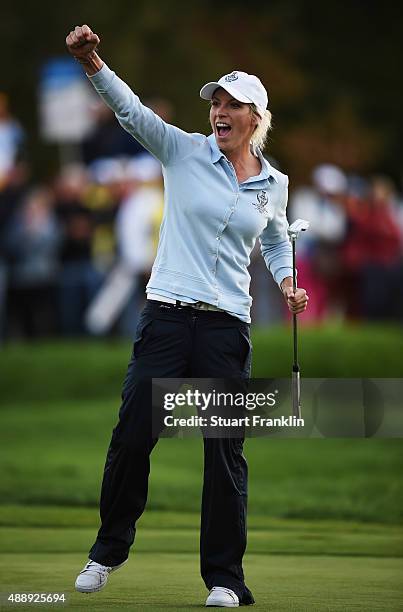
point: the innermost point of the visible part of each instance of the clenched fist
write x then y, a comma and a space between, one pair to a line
297, 301
82, 43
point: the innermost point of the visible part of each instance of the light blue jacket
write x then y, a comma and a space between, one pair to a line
210, 221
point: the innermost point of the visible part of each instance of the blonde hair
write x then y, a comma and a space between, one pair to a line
259, 136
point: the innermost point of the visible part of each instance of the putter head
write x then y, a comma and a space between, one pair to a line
296, 228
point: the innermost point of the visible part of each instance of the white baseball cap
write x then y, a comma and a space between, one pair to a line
242, 86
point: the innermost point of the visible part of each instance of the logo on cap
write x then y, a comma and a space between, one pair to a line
231, 77
262, 202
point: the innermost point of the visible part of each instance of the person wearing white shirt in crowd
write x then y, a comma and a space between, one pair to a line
136, 227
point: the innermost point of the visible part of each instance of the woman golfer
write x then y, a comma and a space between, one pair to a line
220, 195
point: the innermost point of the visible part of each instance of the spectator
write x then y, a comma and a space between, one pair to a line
108, 188
137, 226
319, 265
79, 279
372, 255
12, 193
32, 243
11, 139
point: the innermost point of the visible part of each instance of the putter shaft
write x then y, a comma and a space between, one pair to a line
294, 230
296, 384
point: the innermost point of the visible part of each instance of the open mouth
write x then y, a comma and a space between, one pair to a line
223, 129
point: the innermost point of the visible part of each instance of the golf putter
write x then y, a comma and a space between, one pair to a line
294, 231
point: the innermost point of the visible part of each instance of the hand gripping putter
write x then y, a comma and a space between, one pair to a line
294, 231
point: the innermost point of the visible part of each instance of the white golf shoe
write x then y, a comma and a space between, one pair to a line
221, 597
94, 576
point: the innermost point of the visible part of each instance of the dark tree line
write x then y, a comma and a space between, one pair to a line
331, 68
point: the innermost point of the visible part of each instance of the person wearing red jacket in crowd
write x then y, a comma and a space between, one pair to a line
372, 255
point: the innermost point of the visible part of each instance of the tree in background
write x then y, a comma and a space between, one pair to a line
330, 68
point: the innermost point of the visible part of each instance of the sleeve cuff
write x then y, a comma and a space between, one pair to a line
102, 79
282, 274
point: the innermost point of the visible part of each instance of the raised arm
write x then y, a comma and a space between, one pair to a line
166, 142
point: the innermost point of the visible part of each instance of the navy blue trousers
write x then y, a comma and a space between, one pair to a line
179, 342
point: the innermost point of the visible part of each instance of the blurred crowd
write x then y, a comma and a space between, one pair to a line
76, 252
351, 259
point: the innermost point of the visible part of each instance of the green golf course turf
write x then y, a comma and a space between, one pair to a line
171, 582
91, 369
51, 454
290, 564
325, 515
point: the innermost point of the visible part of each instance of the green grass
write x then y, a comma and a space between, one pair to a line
55, 529
290, 565
54, 454
95, 369
170, 582
371, 351
60, 402
324, 514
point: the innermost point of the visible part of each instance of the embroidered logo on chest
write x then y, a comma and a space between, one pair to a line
231, 77
262, 202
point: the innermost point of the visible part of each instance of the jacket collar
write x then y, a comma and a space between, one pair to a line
266, 172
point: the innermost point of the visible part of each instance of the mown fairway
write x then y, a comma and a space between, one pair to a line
324, 515
290, 565
53, 453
